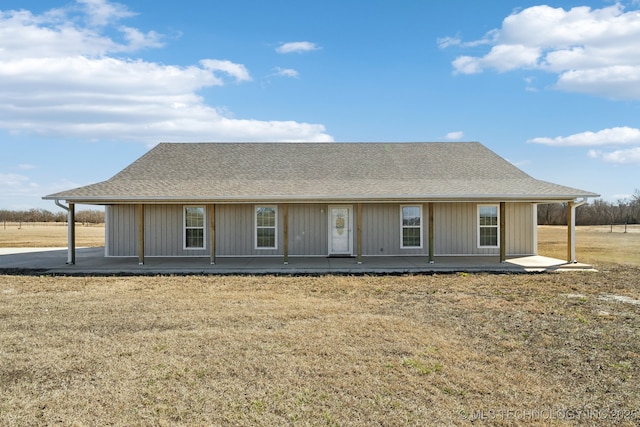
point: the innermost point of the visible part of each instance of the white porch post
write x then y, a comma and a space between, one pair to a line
571, 233
71, 234
140, 234
534, 207
571, 226
431, 233
285, 232
359, 233
212, 233
503, 233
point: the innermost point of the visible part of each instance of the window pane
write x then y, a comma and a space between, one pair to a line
194, 238
488, 236
266, 217
488, 215
411, 237
411, 216
194, 217
266, 237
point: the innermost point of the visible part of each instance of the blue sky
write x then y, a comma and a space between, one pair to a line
88, 86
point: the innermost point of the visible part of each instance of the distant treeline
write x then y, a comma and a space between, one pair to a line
597, 212
43, 215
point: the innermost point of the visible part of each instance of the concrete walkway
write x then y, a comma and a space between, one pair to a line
91, 261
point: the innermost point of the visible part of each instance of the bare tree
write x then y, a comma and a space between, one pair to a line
43, 215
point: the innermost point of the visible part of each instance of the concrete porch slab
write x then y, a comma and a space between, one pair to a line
543, 263
91, 261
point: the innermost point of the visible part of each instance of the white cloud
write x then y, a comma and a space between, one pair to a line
529, 81
510, 57
628, 157
26, 167
297, 47
455, 135
102, 12
286, 72
60, 76
56, 34
594, 51
616, 81
238, 71
613, 136
502, 58
467, 65
446, 42
20, 191
15, 185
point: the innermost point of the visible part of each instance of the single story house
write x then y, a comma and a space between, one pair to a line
321, 199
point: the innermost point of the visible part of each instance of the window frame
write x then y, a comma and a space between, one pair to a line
185, 228
256, 227
420, 227
481, 226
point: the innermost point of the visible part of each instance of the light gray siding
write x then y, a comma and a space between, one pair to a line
163, 234
121, 236
308, 230
235, 231
520, 229
381, 231
455, 230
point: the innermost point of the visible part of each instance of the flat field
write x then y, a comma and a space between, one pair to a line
48, 235
541, 349
597, 245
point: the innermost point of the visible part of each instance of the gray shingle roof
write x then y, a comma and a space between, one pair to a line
216, 172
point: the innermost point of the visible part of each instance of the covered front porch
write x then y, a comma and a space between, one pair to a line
140, 231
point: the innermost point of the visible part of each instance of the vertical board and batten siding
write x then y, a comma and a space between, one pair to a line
455, 231
520, 229
121, 235
162, 234
381, 231
164, 228
308, 230
235, 231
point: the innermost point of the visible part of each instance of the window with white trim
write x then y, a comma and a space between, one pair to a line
411, 226
266, 227
194, 229
488, 226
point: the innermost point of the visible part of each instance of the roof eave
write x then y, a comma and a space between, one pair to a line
105, 200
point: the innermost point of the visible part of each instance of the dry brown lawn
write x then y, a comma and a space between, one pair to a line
352, 351
48, 235
545, 349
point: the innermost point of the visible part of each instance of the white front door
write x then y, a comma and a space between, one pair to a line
340, 226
